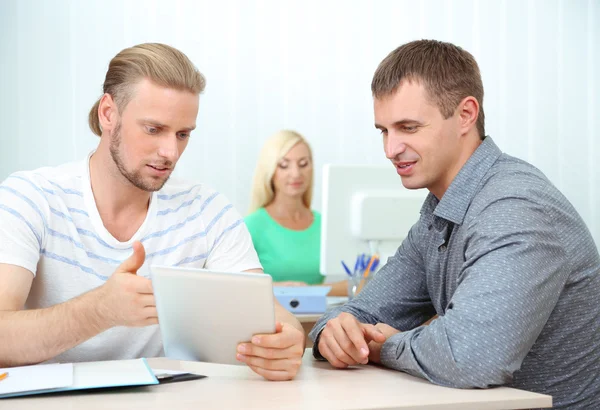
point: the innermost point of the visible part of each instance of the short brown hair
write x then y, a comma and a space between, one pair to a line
159, 63
447, 72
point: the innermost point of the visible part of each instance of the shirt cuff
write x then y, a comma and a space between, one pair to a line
315, 335
392, 350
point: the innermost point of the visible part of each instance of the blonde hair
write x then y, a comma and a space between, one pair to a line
162, 64
272, 152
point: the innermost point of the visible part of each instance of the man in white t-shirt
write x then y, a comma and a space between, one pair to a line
70, 287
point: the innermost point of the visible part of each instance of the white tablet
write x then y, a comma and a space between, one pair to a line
204, 314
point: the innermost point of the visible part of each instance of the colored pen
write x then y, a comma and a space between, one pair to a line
346, 269
3, 375
372, 265
369, 266
357, 264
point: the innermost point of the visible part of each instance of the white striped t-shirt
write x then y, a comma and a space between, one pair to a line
49, 224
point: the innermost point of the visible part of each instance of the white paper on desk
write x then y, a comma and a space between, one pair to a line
34, 378
113, 373
160, 372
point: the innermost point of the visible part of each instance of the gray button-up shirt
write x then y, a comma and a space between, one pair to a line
514, 275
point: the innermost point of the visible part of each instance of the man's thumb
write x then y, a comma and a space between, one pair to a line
278, 327
372, 333
136, 260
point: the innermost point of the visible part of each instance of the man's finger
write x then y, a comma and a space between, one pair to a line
135, 261
150, 312
339, 352
372, 333
278, 364
374, 352
143, 285
350, 337
278, 329
281, 340
147, 300
249, 349
274, 375
150, 321
331, 358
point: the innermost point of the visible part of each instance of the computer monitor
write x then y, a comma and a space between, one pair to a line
365, 209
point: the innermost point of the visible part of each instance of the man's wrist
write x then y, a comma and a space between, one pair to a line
93, 310
316, 353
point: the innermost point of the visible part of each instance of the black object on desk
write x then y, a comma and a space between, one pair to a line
164, 378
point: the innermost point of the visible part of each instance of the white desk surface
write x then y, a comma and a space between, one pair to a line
317, 386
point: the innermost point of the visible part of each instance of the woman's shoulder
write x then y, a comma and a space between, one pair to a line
316, 216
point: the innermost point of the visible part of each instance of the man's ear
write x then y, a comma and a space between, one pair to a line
107, 113
468, 111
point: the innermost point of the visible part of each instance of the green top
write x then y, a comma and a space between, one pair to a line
284, 253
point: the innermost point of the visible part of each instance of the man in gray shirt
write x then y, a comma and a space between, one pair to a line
499, 258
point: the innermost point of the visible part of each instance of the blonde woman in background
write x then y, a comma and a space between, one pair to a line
285, 231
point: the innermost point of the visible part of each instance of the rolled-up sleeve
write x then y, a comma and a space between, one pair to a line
514, 270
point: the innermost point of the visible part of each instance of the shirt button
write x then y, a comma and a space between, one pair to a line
442, 248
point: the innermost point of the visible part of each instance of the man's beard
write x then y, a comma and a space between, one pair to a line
135, 176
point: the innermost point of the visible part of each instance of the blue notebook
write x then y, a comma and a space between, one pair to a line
52, 378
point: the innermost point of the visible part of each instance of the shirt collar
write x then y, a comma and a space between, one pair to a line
457, 198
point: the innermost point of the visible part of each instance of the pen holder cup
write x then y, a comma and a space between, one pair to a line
356, 284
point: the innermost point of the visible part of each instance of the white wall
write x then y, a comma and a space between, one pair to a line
305, 65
